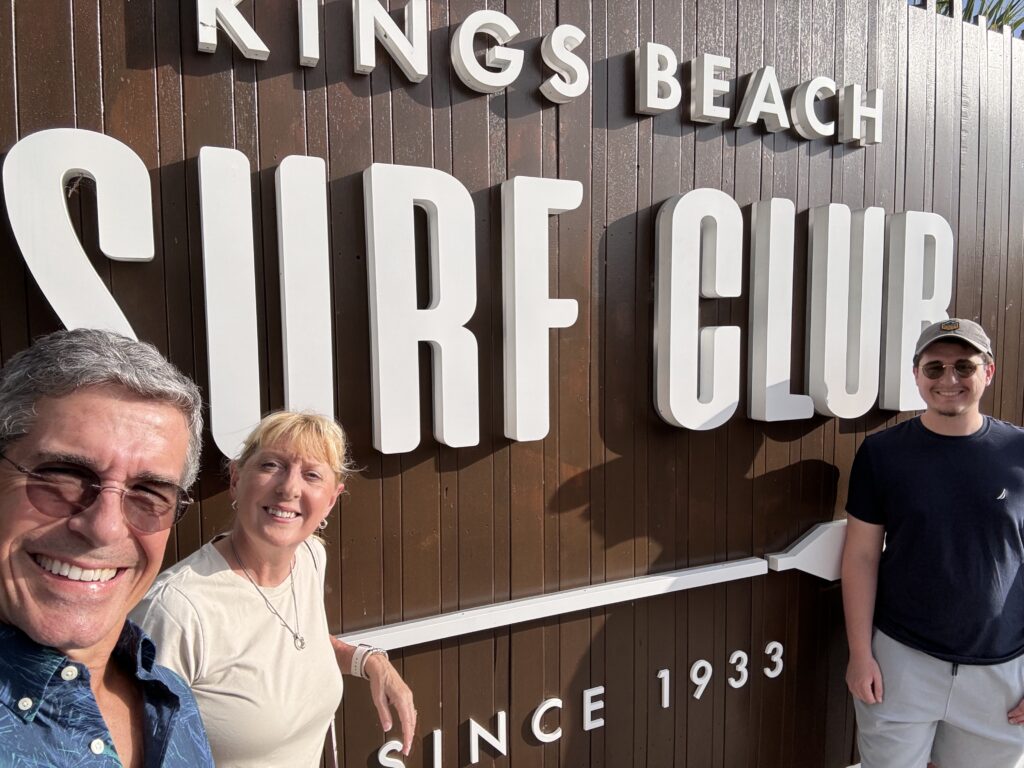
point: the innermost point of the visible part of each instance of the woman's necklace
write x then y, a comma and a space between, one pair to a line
300, 641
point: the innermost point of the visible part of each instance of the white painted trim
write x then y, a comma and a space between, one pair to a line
457, 623
818, 552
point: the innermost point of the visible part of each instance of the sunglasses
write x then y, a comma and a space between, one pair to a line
964, 369
63, 490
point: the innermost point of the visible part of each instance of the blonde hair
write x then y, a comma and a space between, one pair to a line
309, 434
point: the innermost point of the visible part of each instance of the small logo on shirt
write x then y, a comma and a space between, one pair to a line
1002, 496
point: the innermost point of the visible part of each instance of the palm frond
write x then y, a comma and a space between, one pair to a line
998, 13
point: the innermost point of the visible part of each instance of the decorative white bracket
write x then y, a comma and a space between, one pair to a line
818, 552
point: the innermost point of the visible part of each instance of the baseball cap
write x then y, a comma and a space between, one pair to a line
966, 331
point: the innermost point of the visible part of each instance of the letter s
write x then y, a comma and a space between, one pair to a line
35, 174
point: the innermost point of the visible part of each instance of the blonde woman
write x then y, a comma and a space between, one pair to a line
242, 620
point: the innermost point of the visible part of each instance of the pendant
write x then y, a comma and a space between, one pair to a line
300, 642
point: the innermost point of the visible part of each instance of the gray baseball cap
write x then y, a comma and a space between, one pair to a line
966, 331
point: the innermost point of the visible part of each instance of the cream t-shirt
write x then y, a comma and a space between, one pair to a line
264, 703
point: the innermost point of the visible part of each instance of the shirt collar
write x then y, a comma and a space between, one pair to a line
26, 667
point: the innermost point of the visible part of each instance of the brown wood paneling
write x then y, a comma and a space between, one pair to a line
533, 565
704, 448
8, 75
968, 273
735, 599
989, 202
172, 239
44, 85
472, 161
620, 358
45, 79
438, 716
13, 300
948, 74
889, 166
1013, 408
666, 26
130, 115
830, 695
592, 744
1007, 397
357, 540
769, 476
993, 286
613, 491
571, 500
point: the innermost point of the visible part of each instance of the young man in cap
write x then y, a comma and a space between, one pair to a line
935, 620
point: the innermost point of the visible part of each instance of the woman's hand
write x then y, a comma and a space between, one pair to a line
388, 689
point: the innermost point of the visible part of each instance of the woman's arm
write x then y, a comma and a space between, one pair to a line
387, 689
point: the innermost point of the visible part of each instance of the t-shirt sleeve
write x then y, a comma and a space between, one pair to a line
172, 622
319, 554
862, 499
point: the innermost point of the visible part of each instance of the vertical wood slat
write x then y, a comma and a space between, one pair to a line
770, 491
45, 87
571, 502
592, 744
359, 530
818, 180
736, 599
445, 717
14, 334
619, 360
532, 548
471, 165
1007, 348
419, 528
130, 114
1013, 402
969, 264
613, 491
644, 688
703, 446
666, 26
830, 694
993, 286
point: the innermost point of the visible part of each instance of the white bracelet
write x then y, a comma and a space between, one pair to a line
359, 657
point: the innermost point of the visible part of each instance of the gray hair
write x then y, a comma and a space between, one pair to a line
61, 362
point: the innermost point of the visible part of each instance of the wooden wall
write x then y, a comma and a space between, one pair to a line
613, 492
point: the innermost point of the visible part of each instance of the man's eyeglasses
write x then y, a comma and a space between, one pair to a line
63, 490
964, 369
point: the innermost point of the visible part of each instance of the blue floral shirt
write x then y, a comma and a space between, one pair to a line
49, 717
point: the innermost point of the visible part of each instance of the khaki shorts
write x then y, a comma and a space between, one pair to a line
928, 712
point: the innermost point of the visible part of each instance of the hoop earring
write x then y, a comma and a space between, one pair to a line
234, 505
322, 525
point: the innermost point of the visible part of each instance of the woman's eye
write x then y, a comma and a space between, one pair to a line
270, 464
313, 476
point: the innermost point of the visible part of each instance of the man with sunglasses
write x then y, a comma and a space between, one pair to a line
99, 438
935, 620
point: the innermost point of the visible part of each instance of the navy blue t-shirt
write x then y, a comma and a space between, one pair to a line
950, 581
